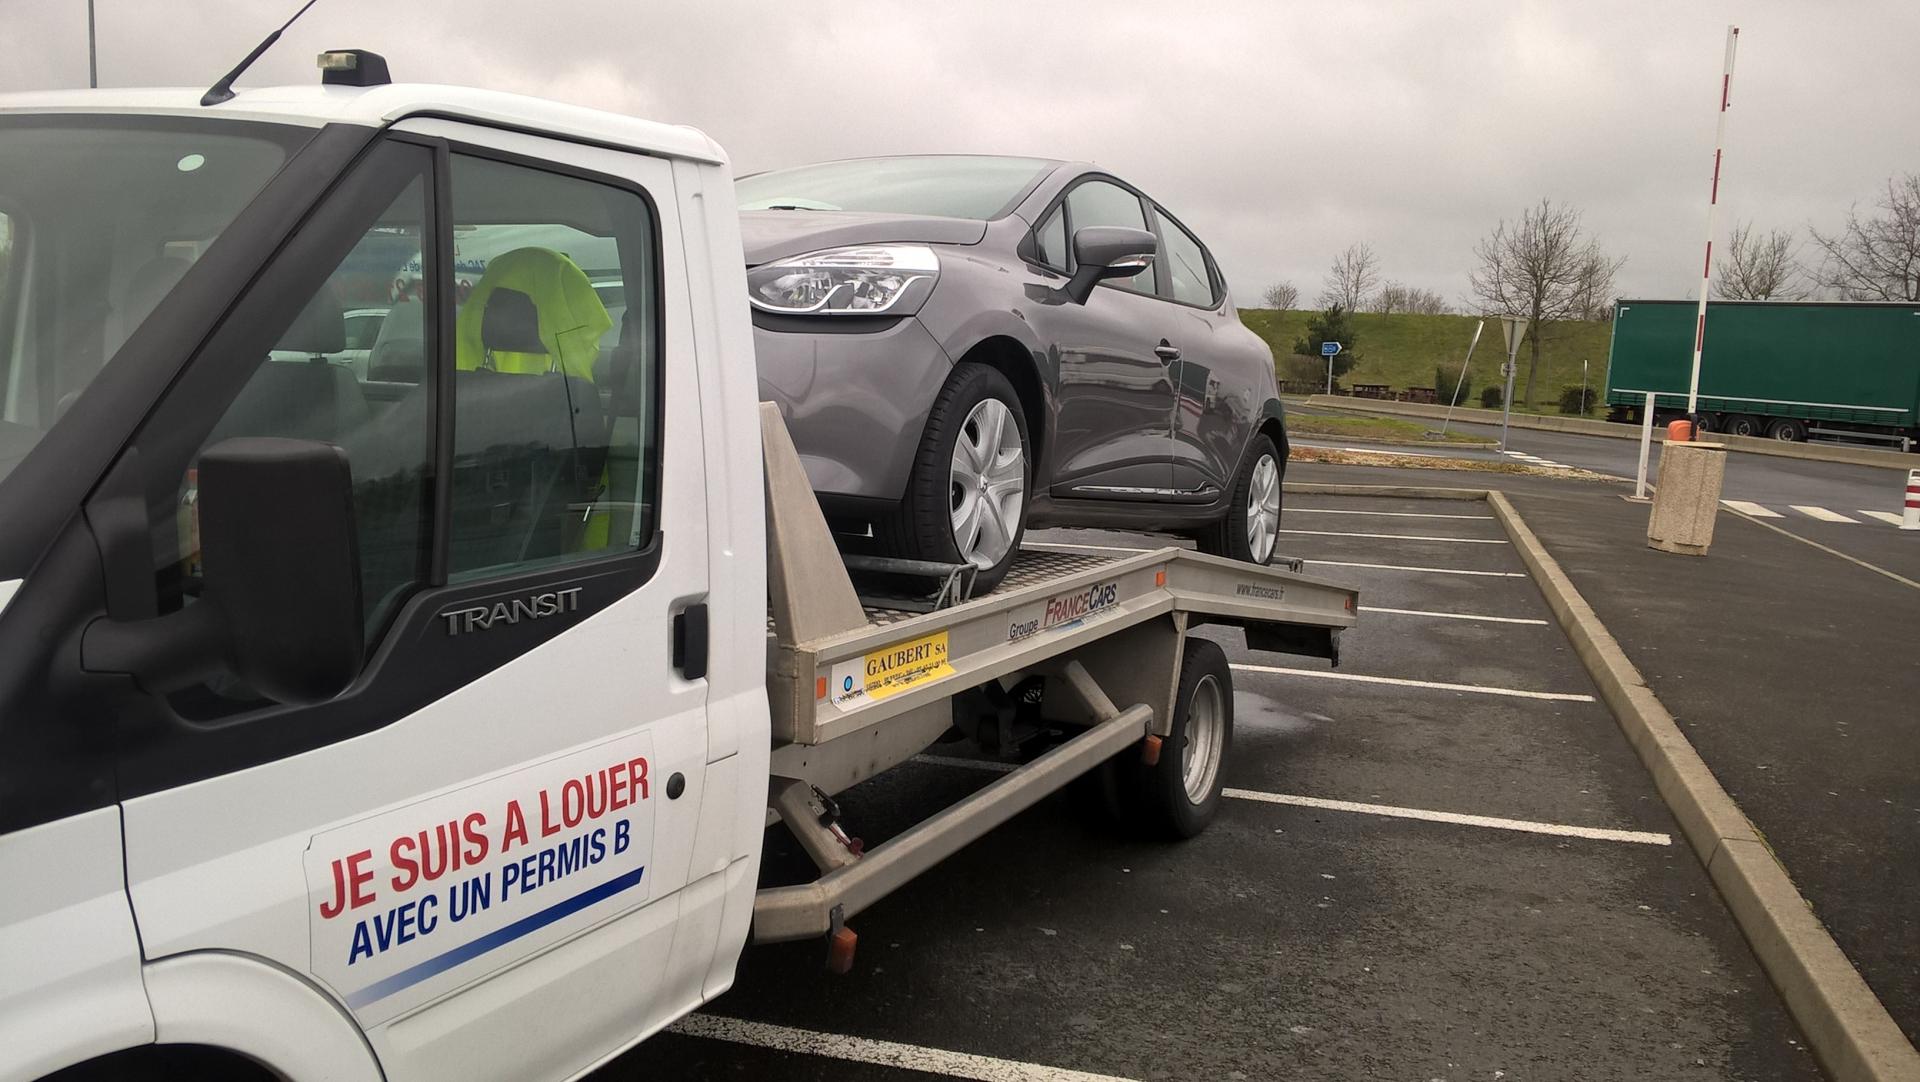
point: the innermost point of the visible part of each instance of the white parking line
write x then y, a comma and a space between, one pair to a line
1747, 508
1524, 825
1887, 517
1425, 570
1404, 537
1297, 509
1822, 514
1456, 615
1527, 826
1478, 689
907, 1057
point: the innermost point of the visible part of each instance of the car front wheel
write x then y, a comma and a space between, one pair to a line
967, 497
1251, 527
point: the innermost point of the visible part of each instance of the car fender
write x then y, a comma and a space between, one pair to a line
250, 1006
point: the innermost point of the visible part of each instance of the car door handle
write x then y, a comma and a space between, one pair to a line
1167, 351
690, 641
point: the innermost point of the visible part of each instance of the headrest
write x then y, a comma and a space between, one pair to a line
321, 327
510, 323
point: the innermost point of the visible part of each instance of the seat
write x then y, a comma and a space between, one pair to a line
309, 399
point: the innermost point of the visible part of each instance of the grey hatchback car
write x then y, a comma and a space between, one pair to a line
965, 346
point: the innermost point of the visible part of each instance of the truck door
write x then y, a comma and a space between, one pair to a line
479, 847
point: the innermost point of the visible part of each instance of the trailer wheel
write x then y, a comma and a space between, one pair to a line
1745, 424
1787, 430
1178, 796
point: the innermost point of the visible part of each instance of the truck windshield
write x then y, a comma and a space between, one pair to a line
99, 219
948, 185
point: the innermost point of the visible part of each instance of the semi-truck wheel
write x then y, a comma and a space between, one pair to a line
1179, 795
1787, 430
1745, 424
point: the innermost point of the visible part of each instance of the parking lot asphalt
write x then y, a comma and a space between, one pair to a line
1794, 674
1455, 869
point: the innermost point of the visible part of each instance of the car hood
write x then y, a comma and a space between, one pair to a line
777, 234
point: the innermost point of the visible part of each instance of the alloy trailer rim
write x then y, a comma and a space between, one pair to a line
987, 484
1263, 509
1206, 736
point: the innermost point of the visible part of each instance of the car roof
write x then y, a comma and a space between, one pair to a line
379, 106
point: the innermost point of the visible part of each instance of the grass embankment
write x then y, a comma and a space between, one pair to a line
1402, 350
1375, 428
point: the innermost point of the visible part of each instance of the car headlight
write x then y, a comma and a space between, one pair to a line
866, 279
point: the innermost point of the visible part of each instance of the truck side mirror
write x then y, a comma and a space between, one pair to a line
281, 606
1101, 252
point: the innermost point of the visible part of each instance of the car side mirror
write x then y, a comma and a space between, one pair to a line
1101, 252
281, 606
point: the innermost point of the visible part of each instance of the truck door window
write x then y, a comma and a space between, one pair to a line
311, 385
555, 400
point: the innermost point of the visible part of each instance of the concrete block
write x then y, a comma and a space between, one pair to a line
1688, 498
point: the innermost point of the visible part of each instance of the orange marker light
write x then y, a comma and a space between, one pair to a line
1160, 578
820, 688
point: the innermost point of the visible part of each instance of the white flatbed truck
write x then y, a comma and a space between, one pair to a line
293, 784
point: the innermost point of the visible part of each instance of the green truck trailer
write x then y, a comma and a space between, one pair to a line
1772, 368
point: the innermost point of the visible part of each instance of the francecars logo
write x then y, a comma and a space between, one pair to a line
1078, 606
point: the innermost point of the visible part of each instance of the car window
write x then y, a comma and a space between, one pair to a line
1097, 202
305, 388
1186, 264
554, 409
1050, 240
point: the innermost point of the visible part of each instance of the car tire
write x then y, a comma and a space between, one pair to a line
1250, 530
1179, 795
962, 492
1787, 430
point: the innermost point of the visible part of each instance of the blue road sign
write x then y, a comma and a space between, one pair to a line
1328, 349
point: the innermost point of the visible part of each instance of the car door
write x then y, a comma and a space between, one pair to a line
478, 848
1212, 416
1112, 433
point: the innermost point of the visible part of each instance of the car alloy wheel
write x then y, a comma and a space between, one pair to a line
988, 484
1263, 509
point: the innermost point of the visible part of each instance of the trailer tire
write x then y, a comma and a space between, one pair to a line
1179, 795
1745, 424
1787, 430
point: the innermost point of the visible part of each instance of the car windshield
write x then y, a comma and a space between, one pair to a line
948, 185
99, 218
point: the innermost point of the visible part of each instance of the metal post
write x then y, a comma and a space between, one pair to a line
1583, 386
1329, 373
1646, 441
1477, 328
1713, 205
1506, 405
93, 61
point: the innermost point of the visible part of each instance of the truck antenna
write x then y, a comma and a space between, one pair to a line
223, 90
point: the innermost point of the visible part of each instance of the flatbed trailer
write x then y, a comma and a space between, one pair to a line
857, 688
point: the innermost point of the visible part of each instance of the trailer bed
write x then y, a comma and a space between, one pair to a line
1052, 602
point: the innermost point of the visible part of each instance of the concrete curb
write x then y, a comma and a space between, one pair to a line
1448, 445
1586, 426
1851, 1033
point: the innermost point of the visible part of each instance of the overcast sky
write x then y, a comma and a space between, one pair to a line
1279, 131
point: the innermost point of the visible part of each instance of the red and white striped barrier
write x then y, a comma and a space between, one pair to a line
1910, 517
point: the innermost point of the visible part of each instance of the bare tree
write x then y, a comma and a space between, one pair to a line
1281, 295
1392, 297
1352, 278
1542, 268
1758, 268
1426, 302
1876, 258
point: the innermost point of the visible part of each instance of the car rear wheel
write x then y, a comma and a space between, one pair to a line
1250, 531
967, 497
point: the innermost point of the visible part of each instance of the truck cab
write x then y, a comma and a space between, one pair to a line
363, 719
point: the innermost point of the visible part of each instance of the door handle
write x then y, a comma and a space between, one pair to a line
1167, 351
690, 641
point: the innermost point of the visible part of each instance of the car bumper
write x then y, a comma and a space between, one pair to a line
856, 404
